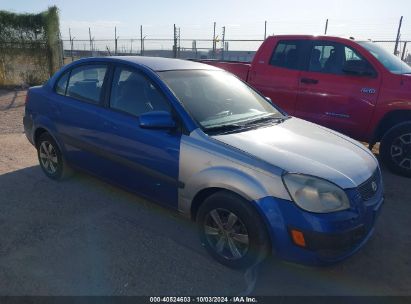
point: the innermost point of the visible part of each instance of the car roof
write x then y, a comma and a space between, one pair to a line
156, 63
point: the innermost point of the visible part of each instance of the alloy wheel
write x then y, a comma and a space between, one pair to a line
401, 151
48, 157
226, 234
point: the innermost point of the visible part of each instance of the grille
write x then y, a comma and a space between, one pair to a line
370, 187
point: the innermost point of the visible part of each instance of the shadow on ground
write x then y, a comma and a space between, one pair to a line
85, 237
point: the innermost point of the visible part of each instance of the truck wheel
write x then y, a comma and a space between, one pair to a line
395, 149
50, 158
232, 231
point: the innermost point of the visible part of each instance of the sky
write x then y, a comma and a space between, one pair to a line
366, 19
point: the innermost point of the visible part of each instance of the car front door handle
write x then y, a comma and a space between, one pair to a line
309, 81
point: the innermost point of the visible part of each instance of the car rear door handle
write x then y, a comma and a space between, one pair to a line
309, 81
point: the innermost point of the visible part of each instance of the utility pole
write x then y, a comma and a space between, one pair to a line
403, 50
398, 37
326, 27
265, 29
71, 45
91, 41
222, 43
214, 41
115, 40
175, 42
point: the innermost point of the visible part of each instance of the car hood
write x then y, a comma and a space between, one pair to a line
299, 146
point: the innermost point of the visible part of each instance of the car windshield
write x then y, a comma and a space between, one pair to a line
217, 99
392, 63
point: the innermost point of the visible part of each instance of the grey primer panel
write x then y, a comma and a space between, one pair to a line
206, 163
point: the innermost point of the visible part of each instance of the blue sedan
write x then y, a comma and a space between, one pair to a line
198, 140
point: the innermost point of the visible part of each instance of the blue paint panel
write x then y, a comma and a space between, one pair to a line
282, 215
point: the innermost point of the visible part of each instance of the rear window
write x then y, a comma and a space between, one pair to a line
86, 83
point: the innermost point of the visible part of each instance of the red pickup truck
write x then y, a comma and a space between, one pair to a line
355, 87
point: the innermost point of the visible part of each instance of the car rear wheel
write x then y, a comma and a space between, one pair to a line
395, 149
50, 158
232, 231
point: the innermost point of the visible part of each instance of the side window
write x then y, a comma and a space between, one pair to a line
133, 93
350, 54
86, 83
334, 58
355, 62
287, 54
61, 85
326, 57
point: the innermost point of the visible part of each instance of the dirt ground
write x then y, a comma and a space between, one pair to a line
85, 237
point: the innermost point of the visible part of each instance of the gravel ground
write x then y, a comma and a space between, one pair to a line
85, 237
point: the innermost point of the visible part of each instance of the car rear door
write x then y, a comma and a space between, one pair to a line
145, 161
76, 107
277, 73
333, 98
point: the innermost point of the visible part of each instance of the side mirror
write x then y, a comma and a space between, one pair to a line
157, 120
358, 67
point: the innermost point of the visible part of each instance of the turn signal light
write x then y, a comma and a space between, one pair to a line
298, 238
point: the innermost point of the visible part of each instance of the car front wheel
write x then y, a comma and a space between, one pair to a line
232, 231
395, 149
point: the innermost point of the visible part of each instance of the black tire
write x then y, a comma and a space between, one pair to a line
395, 149
248, 222
54, 166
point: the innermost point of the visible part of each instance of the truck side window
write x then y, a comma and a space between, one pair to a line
331, 58
287, 54
326, 57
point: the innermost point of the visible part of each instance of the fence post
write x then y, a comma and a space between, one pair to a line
71, 46
222, 42
214, 42
403, 50
398, 38
175, 42
115, 40
91, 42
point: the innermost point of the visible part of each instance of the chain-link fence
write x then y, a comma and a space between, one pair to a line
230, 49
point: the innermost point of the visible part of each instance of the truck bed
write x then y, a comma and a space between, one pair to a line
238, 68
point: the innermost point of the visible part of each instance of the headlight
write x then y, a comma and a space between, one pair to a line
315, 194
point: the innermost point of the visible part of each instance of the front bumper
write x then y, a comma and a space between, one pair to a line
329, 238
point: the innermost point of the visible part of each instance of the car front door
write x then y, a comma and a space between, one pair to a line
145, 161
332, 97
278, 77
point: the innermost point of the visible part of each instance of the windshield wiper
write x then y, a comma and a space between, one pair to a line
265, 119
224, 128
